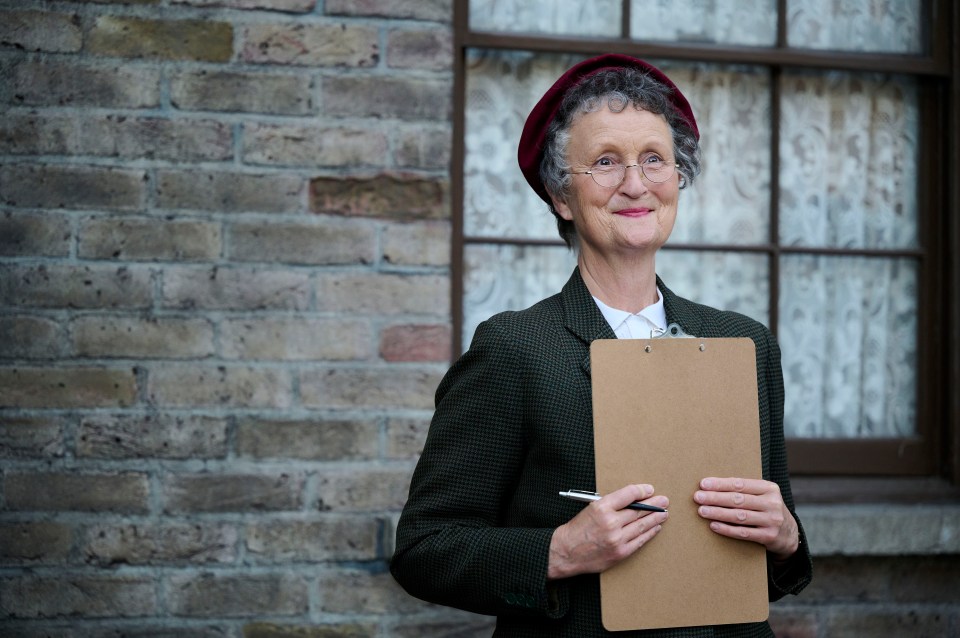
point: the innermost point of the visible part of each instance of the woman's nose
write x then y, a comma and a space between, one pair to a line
633, 183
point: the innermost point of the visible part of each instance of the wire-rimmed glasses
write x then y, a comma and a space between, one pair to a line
653, 168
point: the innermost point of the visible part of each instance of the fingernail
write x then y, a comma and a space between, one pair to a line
698, 497
707, 484
647, 490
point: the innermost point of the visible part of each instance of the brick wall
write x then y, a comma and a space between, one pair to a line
224, 309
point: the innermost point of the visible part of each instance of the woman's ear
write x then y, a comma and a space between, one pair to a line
560, 206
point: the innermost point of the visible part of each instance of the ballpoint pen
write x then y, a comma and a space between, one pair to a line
581, 495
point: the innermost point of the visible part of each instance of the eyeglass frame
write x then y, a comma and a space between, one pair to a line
639, 165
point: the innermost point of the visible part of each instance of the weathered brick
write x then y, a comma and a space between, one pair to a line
363, 489
353, 591
332, 538
295, 339
416, 343
199, 40
313, 146
75, 387
430, 49
229, 192
35, 543
233, 492
238, 91
312, 45
237, 595
384, 294
55, 83
453, 623
405, 437
25, 337
41, 31
326, 630
126, 238
907, 579
235, 289
405, 387
183, 385
46, 235
328, 241
417, 244
311, 439
82, 187
291, 6
89, 596
410, 98
31, 437
105, 544
68, 286
154, 337
60, 491
117, 136
163, 436
908, 621
793, 625
437, 10
391, 195
423, 148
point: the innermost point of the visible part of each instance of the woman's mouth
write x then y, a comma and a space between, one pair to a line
633, 212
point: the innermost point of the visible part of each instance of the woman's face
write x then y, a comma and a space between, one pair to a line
636, 217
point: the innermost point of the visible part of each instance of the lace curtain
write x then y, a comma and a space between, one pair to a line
848, 158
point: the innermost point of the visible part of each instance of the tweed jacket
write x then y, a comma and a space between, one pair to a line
513, 426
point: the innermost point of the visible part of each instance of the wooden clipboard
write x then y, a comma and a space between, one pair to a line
670, 412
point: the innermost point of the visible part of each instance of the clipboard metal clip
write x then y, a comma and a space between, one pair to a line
673, 331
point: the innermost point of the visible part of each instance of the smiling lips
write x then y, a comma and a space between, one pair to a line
633, 212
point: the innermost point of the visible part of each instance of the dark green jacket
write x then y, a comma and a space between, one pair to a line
514, 426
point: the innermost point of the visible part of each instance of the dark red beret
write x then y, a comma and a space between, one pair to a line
534, 133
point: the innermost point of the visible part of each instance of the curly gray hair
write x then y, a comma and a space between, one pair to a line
615, 89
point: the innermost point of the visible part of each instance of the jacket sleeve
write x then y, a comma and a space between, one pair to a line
795, 574
451, 546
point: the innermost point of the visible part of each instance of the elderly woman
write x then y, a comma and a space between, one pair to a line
608, 147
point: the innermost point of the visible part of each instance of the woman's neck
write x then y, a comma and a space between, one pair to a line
629, 285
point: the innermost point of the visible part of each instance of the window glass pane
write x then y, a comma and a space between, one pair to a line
729, 203
848, 335
729, 281
504, 277
849, 151
890, 26
594, 18
744, 22
502, 88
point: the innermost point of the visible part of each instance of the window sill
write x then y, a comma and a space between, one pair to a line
882, 530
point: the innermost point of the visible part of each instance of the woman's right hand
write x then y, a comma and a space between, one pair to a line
604, 533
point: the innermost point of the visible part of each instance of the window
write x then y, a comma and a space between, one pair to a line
824, 209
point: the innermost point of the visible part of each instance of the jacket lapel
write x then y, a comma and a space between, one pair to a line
582, 317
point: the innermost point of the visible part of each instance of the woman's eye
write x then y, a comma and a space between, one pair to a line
653, 159
605, 162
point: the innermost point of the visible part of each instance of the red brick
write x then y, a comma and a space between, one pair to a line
416, 343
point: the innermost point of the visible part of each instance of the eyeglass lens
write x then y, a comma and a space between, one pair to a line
611, 176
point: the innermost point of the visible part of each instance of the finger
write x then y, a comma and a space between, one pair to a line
733, 516
734, 500
736, 484
619, 499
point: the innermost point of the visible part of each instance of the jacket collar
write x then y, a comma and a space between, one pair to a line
583, 318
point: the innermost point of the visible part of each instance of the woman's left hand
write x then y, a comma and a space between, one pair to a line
749, 509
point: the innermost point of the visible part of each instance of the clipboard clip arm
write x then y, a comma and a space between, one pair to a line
673, 331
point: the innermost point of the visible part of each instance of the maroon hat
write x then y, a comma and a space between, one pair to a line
530, 152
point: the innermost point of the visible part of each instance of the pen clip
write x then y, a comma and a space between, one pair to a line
587, 492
